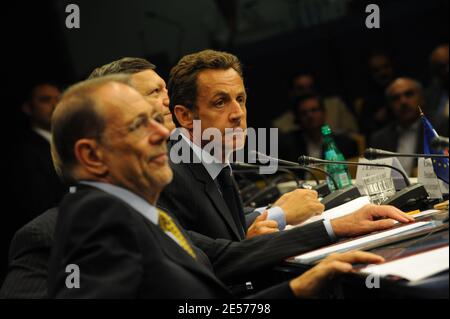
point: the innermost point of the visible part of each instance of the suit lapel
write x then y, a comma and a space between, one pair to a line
177, 254
210, 188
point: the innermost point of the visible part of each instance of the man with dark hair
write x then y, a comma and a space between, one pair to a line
208, 86
34, 185
310, 115
38, 186
109, 227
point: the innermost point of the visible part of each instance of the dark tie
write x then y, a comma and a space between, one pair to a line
229, 194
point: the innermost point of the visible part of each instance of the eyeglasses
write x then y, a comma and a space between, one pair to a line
407, 94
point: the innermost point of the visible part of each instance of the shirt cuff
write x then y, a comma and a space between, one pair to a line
275, 213
329, 228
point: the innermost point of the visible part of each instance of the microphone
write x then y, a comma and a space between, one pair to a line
293, 165
373, 153
307, 160
243, 167
439, 142
267, 194
411, 197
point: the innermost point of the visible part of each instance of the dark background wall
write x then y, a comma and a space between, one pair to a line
273, 38
271, 43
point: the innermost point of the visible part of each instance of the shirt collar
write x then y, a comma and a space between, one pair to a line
411, 128
45, 134
211, 164
138, 203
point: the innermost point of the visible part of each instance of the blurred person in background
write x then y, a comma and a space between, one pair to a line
373, 111
311, 114
437, 93
405, 133
338, 116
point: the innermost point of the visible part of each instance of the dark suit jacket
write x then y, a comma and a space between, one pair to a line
121, 254
232, 261
28, 258
36, 186
387, 139
33, 186
292, 145
194, 198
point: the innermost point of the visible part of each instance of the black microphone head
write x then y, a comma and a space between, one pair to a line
370, 154
303, 160
308, 160
439, 142
374, 153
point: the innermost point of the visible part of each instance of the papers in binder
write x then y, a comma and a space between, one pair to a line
412, 268
358, 243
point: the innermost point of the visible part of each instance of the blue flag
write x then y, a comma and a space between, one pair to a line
440, 165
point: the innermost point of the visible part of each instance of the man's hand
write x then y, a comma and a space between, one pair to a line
299, 205
262, 226
312, 283
368, 219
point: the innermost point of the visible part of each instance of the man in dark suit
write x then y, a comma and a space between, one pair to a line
29, 254
38, 187
110, 142
310, 114
405, 134
208, 86
33, 185
232, 261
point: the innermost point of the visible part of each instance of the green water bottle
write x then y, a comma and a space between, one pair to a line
332, 153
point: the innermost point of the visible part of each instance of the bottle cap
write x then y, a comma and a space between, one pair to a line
326, 130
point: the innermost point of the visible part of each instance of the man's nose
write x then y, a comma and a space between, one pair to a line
237, 111
159, 133
404, 100
166, 99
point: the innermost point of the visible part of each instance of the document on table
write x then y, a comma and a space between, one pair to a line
340, 210
412, 268
358, 243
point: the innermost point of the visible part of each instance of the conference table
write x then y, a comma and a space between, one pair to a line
354, 285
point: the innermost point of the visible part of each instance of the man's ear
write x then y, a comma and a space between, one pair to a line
90, 157
184, 116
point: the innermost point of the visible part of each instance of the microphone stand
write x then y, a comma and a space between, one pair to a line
306, 160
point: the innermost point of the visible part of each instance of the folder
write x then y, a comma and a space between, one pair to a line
359, 243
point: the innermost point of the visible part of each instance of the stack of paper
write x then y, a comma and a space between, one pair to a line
415, 267
358, 243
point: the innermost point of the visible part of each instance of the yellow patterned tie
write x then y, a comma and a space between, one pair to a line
166, 223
